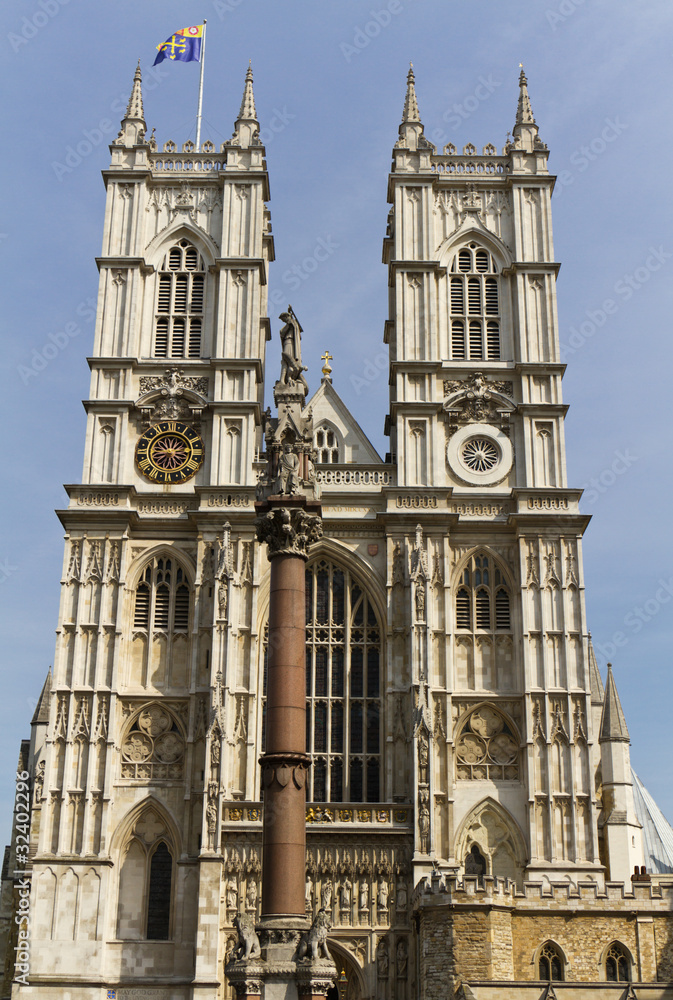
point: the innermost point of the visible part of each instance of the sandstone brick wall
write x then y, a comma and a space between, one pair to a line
493, 933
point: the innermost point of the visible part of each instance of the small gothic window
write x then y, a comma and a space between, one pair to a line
617, 966
163, 598
327, 445
550, 963
487, 747
474, 305
180, 295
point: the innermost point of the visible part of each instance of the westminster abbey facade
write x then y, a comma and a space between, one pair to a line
472, 825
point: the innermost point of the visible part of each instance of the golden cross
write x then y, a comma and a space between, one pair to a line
326, 357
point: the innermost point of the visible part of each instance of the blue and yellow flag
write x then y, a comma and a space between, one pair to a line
183, 46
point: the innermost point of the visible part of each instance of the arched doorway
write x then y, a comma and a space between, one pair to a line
349, 984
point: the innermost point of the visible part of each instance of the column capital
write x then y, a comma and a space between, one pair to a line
287, 526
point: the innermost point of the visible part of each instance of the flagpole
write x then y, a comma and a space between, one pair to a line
198, 110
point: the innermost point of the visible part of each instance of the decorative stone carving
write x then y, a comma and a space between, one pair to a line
172, 396
423, 819
281, 768
478, 399
248, 942
291, 368
382, 960
402, 956
39, 782
288, 531
313, 944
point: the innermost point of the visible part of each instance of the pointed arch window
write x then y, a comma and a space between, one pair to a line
482, 597
550, 963
327, 444
163, 598
617, 964
344, 725
474, 301
147, 881
180, 303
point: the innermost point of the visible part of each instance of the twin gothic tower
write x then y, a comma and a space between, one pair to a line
457, 724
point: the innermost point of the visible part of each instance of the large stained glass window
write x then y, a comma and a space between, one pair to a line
344, 670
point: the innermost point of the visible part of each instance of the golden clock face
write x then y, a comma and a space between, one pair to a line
169, 452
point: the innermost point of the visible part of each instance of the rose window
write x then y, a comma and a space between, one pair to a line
480, 455
154, 746
487, 748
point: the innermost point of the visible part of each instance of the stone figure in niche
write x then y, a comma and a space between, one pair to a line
424, 822
364, 895
383, 895
222, 599
232, 894
326, 895
475, 863
211, 821
346, 894
401, 898
288, 474
420, 601
402, 959
382, 960
309, 896
423, 758
251, 894
291, 368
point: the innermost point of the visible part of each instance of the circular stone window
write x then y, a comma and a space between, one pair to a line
480, 455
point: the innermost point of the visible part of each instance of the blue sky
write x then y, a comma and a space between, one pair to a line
329, 86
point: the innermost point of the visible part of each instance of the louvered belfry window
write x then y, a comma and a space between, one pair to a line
474, 303
162, 598
180, 300
482, 598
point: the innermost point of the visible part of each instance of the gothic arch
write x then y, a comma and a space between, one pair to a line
337, 552
535, 960
467, 233
460, 722
126, 825
159, 551
344, 959
160, 244
627, 953
498, 836
487, 550
326, 448
147, 831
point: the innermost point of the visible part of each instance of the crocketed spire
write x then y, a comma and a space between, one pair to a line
410, 112
247, 112
133, 125
134, 108
524, 112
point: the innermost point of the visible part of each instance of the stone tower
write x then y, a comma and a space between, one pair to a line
469, 807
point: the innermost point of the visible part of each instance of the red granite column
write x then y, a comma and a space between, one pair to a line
288, 529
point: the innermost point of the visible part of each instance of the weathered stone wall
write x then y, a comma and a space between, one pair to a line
494, 933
